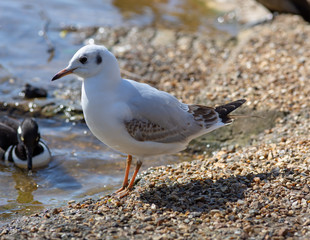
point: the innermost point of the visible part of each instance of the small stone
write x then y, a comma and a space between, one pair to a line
149, 228
240, 201
306, 189
187, 221
256, 179
224, 188
196, 214
56, 210
303, 203
306, 223
147, 219
103, 208
201, 198
247, 228
159, 221
4, 231
282, 231
295, 205
290, 212
33, 229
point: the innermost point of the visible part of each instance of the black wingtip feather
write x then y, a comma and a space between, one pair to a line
224, 110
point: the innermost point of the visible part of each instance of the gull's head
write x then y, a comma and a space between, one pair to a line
88, 62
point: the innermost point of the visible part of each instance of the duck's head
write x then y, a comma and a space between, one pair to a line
28, 136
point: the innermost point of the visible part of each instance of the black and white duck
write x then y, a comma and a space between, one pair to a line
21, 144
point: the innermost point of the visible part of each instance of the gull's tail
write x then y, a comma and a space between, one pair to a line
224, 110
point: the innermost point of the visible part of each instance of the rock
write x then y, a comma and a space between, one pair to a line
34, 92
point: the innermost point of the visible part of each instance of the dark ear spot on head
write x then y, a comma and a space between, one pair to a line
98, 59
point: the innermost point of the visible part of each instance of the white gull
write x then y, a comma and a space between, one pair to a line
135, 118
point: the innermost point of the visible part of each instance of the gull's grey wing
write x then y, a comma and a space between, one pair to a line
204, 118
158, 116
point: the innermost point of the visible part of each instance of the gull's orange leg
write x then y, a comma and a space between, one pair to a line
125, 192
125, 182
132, 181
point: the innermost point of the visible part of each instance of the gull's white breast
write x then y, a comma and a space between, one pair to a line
105, 112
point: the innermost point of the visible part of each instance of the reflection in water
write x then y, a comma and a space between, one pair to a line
25, 186
187, 14
17, 193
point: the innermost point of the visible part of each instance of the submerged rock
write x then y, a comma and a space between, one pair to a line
34, 92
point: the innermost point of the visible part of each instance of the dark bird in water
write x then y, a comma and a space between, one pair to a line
299, 7
21, 143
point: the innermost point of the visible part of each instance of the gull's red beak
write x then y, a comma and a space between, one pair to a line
63, 73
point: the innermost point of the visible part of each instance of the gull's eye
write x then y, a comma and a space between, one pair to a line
83, 60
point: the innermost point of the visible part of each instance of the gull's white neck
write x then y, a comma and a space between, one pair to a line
106, 80
99, 90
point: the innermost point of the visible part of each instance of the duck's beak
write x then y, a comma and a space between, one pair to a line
29, 153
63, 73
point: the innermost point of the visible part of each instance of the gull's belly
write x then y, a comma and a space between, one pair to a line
104, 126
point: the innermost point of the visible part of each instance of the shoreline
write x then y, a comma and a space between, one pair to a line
257, 191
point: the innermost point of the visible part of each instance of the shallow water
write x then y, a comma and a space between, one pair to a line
81, 166
24, 26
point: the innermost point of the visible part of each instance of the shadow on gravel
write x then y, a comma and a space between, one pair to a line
206, 195
244, 131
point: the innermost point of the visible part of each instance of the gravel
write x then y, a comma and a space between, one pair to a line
257, 191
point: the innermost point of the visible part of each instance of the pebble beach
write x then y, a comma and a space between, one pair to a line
258, 189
